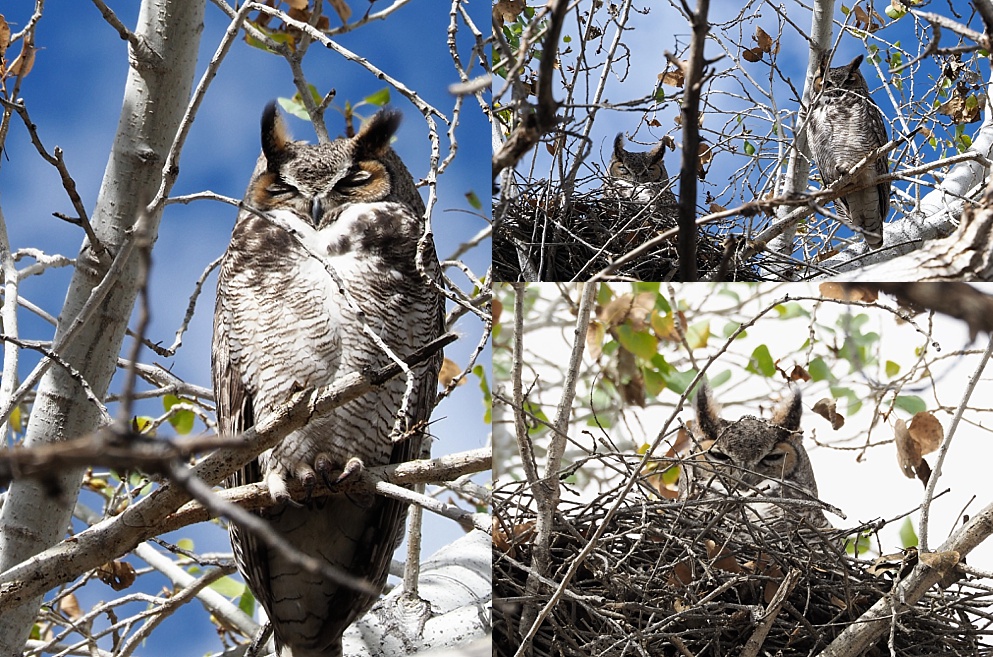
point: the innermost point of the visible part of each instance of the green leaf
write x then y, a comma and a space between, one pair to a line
474, 201
654, 381
640, 343
698, 334
659, 94
185, 544
678, 382
295, 107
719, 379
791, 310
247, 601
537, 419
749, 149
761, 362
818, 370
229, 587
480, 372
181, 420
379, 98
892, 369
908, 537
845, 10
142, 424
910, 403
861, 541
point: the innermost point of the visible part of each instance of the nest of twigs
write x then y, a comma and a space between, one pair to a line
702, 579
574, 241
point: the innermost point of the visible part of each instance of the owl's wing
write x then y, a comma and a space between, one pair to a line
877, 126
234, 416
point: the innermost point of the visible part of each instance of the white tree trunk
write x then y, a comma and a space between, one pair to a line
456, 582
35, 516
798, 168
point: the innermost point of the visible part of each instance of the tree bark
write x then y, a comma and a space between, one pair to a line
36, 516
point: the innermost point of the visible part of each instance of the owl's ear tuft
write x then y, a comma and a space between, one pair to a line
708, 412
619, 145
275, 136
789, 411
854, 65
373, 138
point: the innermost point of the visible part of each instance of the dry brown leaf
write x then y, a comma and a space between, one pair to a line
23, 63
864, 21
907, 450
715, 208
673, 78
449, 370
119, 575
851, 292
70, 606
723, 558
926, 431
943, 561
299, 5
681, 575
506, 542
595, 333
4, 35
752, 55
837, 602
682, 443
763, 39
706, 154
799, 374
496, 307
828, 409
961, 108
342, 9
636, 309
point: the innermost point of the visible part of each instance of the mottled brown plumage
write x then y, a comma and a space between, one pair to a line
282, 324
846, 125
751, 455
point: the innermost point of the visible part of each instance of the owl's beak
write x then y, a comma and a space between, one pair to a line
316, 211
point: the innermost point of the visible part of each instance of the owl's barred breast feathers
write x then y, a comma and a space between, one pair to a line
325, 253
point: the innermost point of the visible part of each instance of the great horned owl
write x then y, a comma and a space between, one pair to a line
752, 455
283, 323
845, 125
638, 177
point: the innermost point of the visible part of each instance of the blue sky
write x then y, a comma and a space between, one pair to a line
658, 27
74, 95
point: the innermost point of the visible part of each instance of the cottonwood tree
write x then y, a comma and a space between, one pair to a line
84, 409
592, 388
760, 209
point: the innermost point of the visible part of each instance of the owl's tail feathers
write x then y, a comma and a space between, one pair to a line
863, 212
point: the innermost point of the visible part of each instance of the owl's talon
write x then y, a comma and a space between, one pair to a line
352, 468
324, 467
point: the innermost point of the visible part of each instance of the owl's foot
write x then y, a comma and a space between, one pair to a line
327, 470
323, 469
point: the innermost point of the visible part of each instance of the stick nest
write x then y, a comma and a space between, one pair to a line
702, 578
591, 233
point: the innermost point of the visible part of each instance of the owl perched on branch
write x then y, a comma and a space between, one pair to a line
846, 125
323, 258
